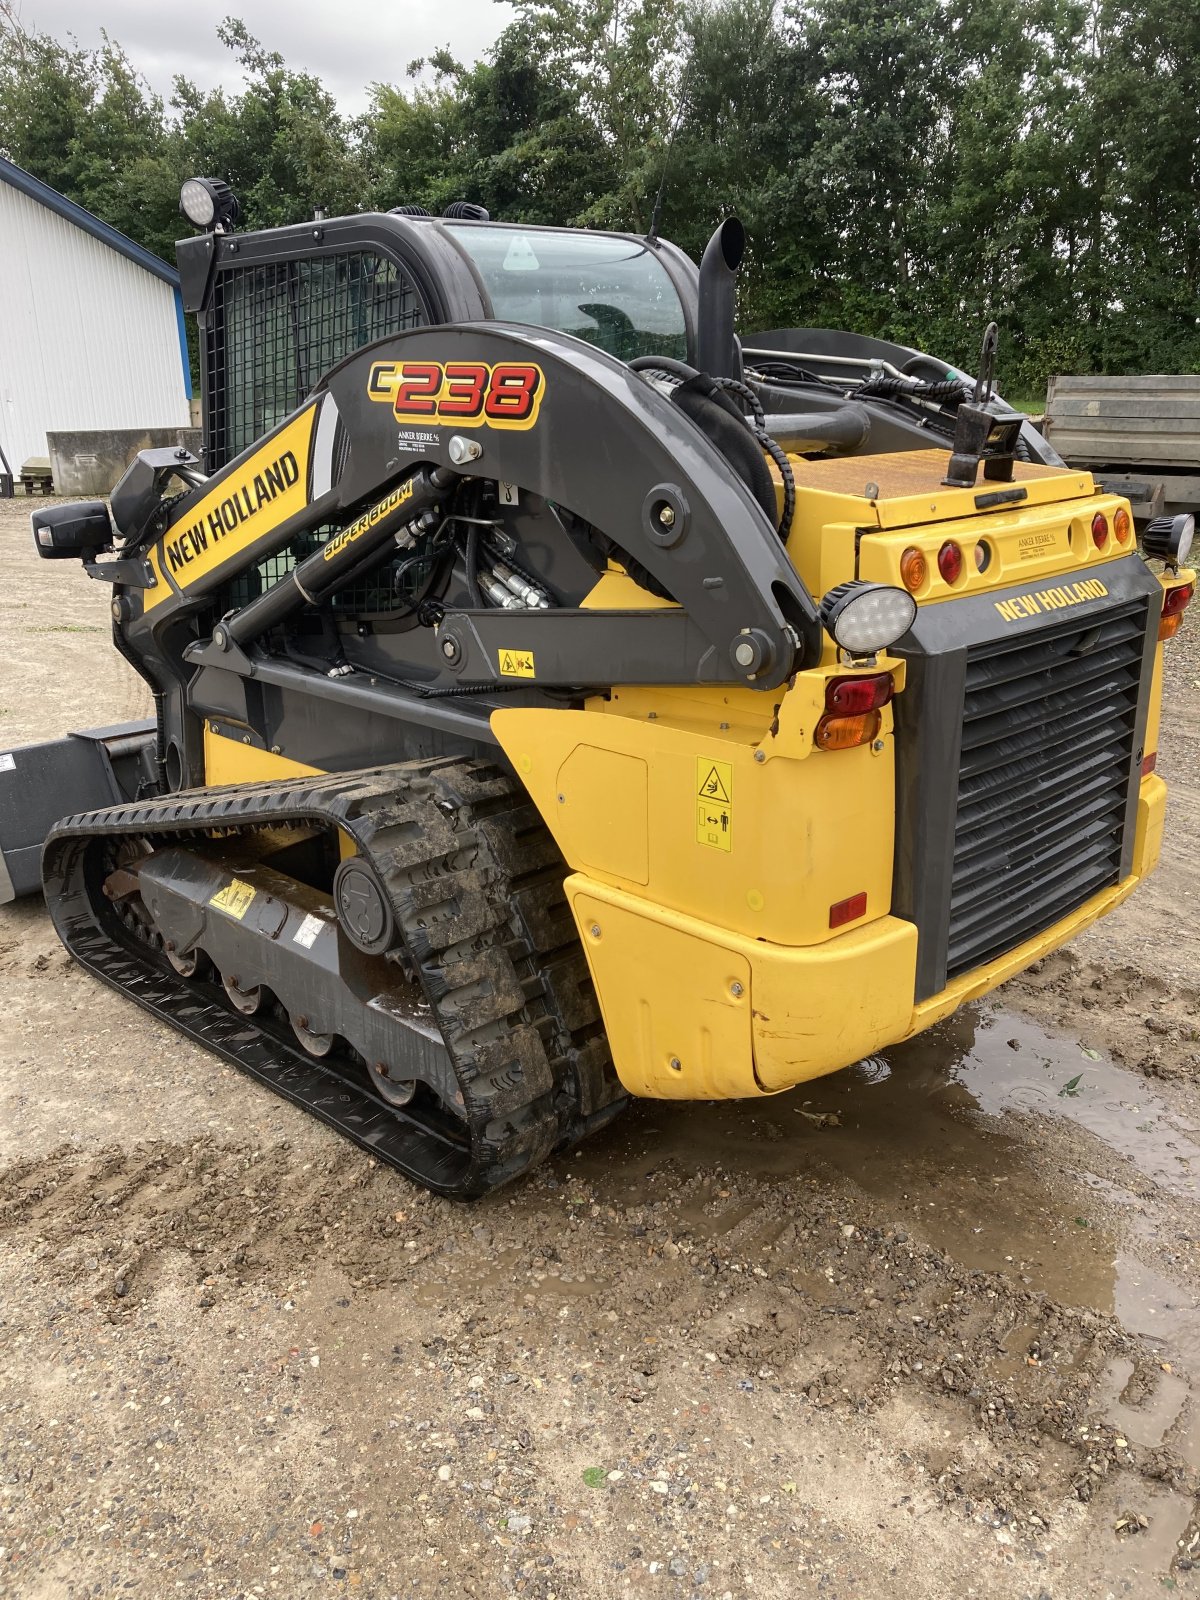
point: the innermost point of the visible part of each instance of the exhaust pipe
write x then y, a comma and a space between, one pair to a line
716, 348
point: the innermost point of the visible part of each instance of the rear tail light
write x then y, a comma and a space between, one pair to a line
846, 697
844, 733
1175, 603
914, 569
983, 556
950, 561
1149, 763
1122, 526
1099, 530
843, 911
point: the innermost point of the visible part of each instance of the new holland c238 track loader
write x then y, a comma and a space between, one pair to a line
559, 699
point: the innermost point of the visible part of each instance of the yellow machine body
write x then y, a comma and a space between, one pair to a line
709, 839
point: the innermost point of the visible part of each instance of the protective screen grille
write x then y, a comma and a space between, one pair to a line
1044, 775
274, 330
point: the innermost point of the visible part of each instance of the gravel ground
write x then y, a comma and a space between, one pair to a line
928, 1327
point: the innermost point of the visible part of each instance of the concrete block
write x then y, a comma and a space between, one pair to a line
90, 462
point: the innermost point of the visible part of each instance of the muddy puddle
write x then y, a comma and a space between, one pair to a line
1013, 1150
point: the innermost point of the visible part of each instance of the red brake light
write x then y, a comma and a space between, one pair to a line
847, 697
848, 910
1099, 530
1175, 602
950, 561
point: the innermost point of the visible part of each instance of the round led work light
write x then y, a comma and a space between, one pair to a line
864, 618
1169, 538
209, 203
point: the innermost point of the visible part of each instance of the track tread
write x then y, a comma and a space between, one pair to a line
475, 882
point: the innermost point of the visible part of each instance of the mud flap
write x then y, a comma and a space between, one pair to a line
42, 783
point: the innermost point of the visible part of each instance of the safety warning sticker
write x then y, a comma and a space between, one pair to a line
714, 803
234, 899
306, 933
516, 663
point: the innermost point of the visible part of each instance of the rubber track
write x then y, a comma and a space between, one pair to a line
475, 882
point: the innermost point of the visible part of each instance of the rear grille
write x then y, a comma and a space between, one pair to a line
1044, 774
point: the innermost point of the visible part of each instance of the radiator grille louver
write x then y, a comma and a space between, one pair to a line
1044, 774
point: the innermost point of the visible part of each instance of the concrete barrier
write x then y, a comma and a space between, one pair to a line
90, 462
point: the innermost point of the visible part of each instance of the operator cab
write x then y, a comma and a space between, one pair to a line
279, 307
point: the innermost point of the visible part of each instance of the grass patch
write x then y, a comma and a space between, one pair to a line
69, 627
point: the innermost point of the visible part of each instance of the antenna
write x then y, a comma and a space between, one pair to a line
656, 214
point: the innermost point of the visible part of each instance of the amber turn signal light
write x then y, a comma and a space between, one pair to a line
844, 733
914, 569
1122, 526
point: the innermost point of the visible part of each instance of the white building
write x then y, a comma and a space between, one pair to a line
91, 324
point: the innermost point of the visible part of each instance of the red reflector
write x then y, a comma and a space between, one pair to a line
950, 561
1149, 763
848, 910
1099, 530
846, 697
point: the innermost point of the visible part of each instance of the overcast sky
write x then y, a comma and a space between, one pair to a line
348, 43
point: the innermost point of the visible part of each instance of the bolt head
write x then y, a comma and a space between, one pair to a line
760, 755
464, 450
595, 930
736, 990
743, 654
676, 1064
449, 649
667, 516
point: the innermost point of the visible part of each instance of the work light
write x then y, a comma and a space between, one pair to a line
864, 618
209, 203
1169, 538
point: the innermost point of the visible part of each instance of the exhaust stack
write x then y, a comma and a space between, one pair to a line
716, 348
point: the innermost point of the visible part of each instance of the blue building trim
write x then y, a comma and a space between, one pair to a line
183, 349
58, 203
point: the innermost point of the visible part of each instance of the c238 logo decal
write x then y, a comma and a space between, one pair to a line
464, 394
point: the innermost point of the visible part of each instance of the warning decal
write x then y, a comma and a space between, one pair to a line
306, 933
714, 803
516, 663
234, 899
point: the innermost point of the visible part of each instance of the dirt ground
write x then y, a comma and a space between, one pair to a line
928, 1327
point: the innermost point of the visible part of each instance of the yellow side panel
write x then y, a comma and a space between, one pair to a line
230, 761
616, 787
766, 852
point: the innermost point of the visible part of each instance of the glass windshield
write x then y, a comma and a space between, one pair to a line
612, 292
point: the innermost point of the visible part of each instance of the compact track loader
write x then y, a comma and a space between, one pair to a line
560, 699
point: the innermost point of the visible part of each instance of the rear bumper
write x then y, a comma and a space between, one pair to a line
42, 783
694, 1012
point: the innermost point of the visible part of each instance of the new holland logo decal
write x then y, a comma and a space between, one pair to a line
1056, 599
